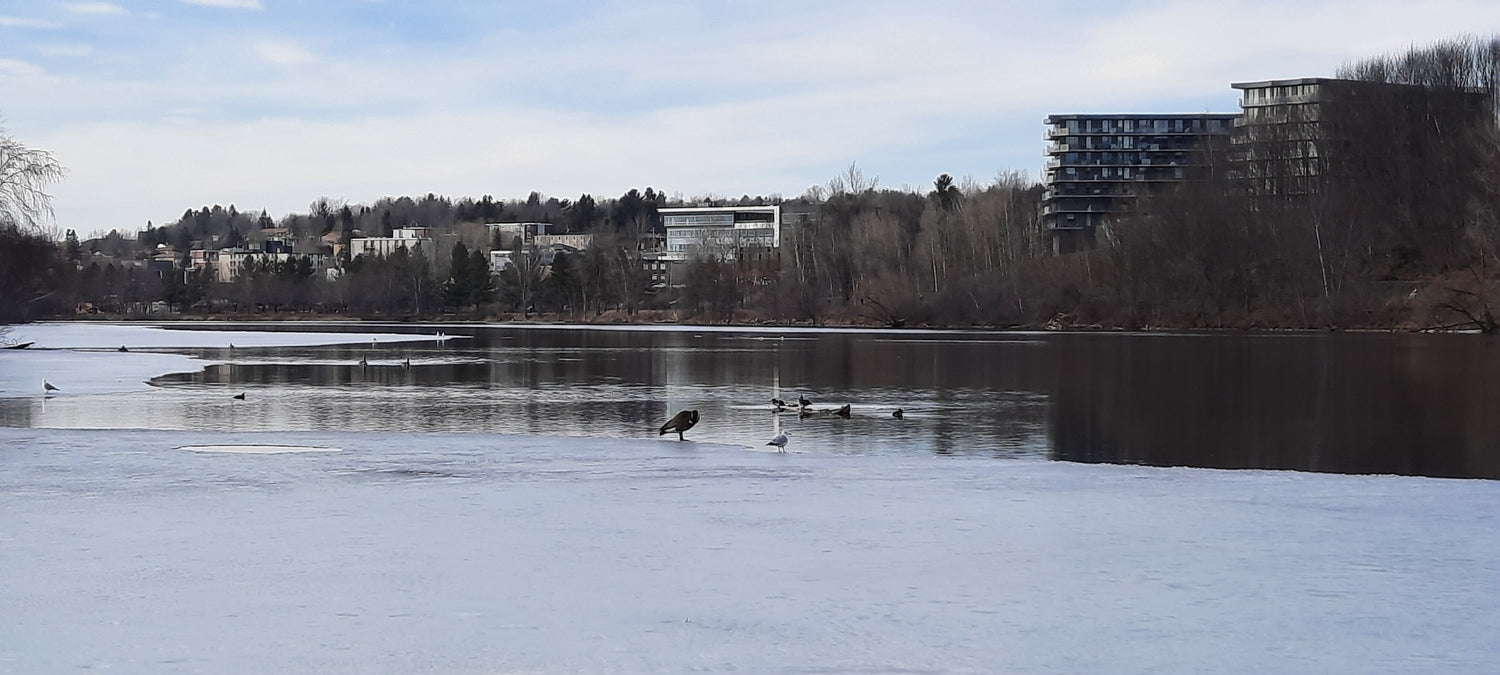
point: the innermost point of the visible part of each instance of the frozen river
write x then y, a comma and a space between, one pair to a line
490, 527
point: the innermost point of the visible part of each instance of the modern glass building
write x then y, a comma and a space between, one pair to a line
724, 231
1097, 165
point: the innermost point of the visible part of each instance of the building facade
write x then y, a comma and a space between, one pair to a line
1098, 165
409, 238
1292, 133
723, 231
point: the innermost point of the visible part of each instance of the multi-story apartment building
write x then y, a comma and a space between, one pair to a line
1098, 165
1291, 130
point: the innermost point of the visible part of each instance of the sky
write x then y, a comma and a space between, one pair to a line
158, 106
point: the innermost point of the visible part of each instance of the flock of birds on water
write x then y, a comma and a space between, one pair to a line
679, 423
687, 419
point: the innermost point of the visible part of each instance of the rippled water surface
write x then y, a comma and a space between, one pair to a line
1346, 403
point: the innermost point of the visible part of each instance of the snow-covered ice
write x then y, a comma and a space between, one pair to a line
488, 553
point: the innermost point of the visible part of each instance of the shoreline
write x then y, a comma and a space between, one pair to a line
613, 320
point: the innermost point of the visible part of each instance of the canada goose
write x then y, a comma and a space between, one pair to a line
406, 363
122, 349
843, 412
239, 397
779, 442
802, 401
898, 413
780, 404
679, 423
363, 362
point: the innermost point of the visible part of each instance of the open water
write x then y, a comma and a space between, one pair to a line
1339, 402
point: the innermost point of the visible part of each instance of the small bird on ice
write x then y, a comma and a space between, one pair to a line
47, 387
779, 442
679, 423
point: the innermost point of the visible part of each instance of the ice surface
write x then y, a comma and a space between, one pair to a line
82, 358
194, 335
491, 553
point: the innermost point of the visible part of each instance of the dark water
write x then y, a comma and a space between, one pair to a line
1344, 403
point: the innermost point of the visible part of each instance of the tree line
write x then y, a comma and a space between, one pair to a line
1397, 224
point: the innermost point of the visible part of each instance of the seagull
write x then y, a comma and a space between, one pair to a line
47, 387
679, 423
802, 401
239, 397
843, 412
898, 413
779, 442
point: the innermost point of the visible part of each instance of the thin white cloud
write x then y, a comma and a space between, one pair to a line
24, 22
232, 4
284, 53
15, 67
94, 8
65, 50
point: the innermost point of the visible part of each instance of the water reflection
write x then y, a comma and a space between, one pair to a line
1338, 403
1357, 403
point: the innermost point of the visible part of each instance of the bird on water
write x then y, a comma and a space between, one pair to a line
123, 349
802, 401
239, 397
843, 412
679, 423
898, 413
779, 442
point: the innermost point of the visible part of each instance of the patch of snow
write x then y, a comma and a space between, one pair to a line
259, 449
484, 553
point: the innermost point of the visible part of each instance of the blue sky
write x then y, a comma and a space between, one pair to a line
157, 106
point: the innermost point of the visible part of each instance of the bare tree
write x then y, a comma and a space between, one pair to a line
24, 176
